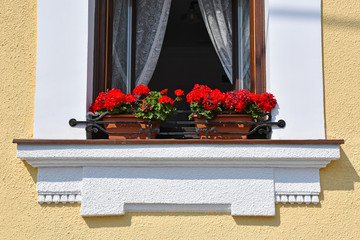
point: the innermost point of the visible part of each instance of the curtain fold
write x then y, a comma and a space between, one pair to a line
152, 17
244, 45
120, 44
217, 15
151, 21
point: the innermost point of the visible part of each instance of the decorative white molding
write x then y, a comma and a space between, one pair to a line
59, 198
243, 179
297, 198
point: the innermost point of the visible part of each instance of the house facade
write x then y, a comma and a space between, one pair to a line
312, 67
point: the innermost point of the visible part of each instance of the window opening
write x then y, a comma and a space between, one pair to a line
184, 24
138, 34
248, 12
188, 55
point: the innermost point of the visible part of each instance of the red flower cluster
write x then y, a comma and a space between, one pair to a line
240, 101
111, 99
237, 100
179, 92
164, 92
130, 98
214, 101
211, 99
265, 101
99, 102
166, 99
199, 94
141, 90
114, 98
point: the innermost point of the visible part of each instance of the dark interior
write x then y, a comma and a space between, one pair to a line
188, 55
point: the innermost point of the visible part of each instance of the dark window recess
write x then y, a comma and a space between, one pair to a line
103, 41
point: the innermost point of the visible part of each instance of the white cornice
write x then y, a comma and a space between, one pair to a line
202, 155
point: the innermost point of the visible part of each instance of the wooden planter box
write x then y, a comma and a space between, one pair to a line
129, 128
234, 128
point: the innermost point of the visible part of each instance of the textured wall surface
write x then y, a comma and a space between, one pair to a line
338, 215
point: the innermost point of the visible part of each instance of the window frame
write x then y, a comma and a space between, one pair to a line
258, 46
103, 46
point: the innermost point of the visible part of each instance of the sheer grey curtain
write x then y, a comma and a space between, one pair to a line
121, 47
217, 15
244, 45
151, 22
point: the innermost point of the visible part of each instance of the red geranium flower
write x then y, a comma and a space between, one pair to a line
130, 98
217, 96
199, 94
164, 92
210, 106
179, 92
265, 101
240, 106
99, 102
141, 90
166, 99
237, 101
114, 98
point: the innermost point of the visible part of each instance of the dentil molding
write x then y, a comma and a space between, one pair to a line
243, 179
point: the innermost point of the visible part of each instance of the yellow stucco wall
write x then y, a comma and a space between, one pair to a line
338, 216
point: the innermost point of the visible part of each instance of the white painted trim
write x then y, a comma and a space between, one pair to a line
294, 67
163, 155
240, 179
63, 67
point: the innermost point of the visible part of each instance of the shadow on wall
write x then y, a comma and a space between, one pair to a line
32, 171
328, 20
332, 21
109, 222
125, 221
339, 175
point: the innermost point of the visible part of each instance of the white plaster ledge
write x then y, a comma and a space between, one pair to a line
243, 179
163, 155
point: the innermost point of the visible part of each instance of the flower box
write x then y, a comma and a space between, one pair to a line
213, 105
129, 129
148, 106
217, 131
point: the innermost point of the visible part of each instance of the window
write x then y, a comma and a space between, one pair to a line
88, 171
293, 63
114, 18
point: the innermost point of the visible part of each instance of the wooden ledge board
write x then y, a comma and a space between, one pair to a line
180, 141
